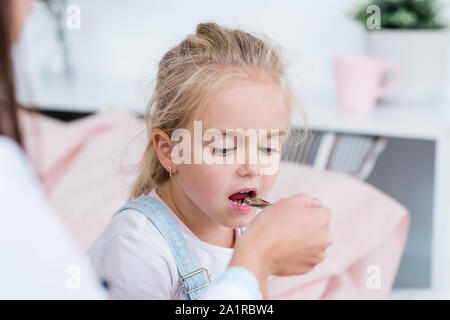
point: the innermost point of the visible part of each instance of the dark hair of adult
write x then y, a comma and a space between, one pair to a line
9, 125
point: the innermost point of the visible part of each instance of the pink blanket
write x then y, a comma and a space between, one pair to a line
86, 167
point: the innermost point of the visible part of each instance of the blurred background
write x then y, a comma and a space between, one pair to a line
107, 60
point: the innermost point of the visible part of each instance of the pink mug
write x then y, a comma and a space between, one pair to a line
359, 82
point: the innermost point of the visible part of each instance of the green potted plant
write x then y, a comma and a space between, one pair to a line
410, 34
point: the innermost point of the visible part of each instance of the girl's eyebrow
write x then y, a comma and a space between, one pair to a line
279, 132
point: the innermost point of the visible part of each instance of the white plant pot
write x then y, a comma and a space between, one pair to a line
421, 56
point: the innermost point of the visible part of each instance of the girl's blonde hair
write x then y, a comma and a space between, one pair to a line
194, 70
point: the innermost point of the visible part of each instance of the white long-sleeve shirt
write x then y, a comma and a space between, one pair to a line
39, 259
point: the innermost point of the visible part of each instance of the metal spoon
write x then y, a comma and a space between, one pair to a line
256, 202
260, 203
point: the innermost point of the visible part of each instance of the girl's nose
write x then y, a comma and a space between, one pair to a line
251, 166
249, 169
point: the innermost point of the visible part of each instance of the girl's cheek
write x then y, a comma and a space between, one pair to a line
211, 179
268, 183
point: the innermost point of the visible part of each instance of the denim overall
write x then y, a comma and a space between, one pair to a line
194, 278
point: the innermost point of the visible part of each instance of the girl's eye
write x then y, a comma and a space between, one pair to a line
227, 150
267, 150
222, 151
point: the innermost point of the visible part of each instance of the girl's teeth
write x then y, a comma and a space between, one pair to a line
238, 203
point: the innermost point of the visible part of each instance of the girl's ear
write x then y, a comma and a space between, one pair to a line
163, 147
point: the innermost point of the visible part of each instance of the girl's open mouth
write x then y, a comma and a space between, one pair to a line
237, 199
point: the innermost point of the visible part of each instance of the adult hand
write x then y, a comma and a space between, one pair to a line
287, 238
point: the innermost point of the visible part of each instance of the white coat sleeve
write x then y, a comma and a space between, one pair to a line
39, 259
236, 283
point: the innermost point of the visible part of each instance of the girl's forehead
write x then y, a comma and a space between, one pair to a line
256, 105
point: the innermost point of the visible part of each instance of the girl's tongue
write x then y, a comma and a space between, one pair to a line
238, 196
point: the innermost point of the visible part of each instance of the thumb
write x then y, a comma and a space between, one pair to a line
308, 200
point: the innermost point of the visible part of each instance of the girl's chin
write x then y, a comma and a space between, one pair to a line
238, 220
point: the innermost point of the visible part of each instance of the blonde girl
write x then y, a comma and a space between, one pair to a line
177, 233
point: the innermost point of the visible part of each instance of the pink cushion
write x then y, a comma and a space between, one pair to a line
369, 229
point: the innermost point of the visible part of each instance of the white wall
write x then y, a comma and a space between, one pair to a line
125, 39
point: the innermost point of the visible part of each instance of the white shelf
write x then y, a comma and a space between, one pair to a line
402, 121
85, 94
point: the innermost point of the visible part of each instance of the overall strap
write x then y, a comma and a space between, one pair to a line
194, 279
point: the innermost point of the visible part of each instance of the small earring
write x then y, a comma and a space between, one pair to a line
170, 170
